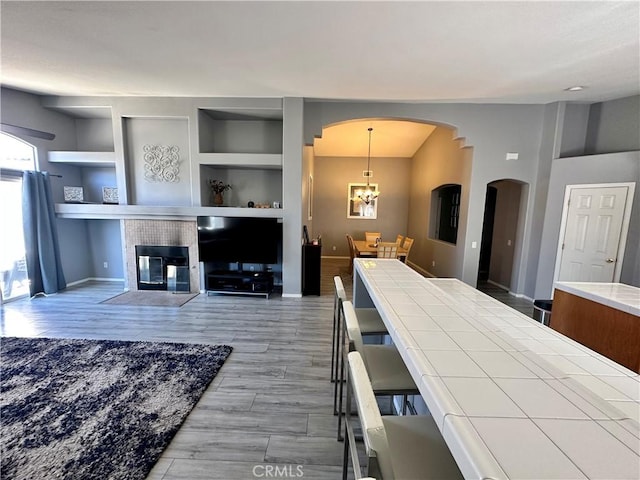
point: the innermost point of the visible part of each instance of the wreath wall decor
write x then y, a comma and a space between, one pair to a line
161, 163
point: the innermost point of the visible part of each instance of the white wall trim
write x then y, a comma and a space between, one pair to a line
420, 270
291, 295
499, 285
94, 279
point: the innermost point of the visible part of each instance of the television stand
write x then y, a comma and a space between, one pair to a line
241, 283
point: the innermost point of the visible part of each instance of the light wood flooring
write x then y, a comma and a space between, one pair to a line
270, 405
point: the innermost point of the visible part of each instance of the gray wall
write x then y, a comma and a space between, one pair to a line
331, 179
292, 180
439, 161
492, 131
106, 246
141, 132
505, 230
535, 132
24, 109
614, 126
606, 168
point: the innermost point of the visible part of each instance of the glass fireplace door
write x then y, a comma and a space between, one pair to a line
151, 270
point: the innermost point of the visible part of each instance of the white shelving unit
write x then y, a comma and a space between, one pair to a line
84, 159
242, 147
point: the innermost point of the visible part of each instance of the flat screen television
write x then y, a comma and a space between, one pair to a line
239, 239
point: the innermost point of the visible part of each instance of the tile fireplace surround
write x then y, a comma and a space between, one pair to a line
160, 232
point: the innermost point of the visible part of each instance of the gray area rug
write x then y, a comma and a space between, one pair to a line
94, 409
150, 298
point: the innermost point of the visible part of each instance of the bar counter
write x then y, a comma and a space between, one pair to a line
511, 397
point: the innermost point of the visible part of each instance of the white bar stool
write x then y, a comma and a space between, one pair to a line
407, 447
387, 371
370, 324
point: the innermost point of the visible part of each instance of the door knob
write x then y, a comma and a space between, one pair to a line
610, 260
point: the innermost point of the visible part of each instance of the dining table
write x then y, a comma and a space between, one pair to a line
368, 249
512, 398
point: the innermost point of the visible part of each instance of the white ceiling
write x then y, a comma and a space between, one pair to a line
473, 51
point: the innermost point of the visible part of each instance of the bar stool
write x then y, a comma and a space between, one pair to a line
370, 324
387, 372
407, 447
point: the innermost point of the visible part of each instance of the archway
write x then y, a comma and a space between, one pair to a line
405, 179
500, 248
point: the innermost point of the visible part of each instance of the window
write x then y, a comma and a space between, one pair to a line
16, 156
445, 213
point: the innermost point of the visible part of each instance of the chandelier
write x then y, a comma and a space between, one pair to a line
367, 195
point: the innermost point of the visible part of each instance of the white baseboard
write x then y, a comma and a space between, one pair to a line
94, 279
291, 295
499, 285
421, 270
521, 295
517, 295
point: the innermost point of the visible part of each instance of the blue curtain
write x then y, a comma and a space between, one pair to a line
40, 235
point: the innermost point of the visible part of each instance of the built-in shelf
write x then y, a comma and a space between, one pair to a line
240, 130
101, 211
84, 159
242, 160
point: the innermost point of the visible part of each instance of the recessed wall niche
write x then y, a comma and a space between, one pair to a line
144, 134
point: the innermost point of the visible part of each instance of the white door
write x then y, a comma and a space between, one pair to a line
595, 231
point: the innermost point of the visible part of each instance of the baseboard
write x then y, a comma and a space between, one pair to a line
514, 294
499, 285
291, 295
421, 270
94, 279
521, 295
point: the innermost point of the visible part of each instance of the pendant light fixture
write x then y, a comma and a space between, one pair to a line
367, 195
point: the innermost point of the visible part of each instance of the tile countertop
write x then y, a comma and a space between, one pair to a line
615, 295
512, 397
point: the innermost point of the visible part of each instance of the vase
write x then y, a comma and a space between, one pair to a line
218, 199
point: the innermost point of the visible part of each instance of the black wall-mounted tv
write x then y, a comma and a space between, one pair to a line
239, 239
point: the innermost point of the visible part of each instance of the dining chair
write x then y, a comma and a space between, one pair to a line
372, 237
370, 324
352, 252
399, 239
387, 250
408, 243
387, 371
396, 447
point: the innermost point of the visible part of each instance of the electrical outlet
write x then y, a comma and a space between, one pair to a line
433, 263
334, 248
508, 243
105, 264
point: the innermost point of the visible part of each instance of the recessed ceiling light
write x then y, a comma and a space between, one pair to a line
575, 88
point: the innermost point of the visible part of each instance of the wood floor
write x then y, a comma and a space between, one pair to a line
270, 405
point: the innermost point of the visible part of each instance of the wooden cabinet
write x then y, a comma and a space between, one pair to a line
609, 331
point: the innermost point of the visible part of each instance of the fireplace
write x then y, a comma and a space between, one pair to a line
162, 268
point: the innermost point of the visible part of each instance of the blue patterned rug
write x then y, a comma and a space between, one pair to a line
93, 409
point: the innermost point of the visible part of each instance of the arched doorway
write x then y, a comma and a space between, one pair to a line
505, 201
409, 159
